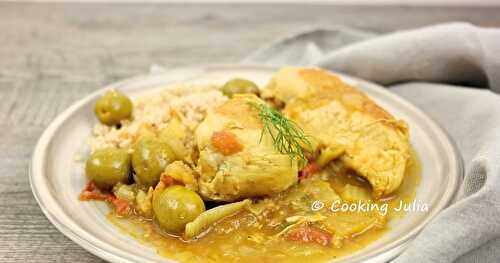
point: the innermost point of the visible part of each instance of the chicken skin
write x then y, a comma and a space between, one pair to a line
344, 120
235, 162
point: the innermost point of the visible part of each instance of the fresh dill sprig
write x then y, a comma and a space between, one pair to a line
288, 137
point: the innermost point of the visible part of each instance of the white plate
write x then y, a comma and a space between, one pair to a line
56, 179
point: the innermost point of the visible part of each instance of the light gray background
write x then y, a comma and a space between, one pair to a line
53, 54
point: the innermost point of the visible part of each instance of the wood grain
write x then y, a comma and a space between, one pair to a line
53, 54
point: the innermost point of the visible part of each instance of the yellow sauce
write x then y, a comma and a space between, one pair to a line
237, 239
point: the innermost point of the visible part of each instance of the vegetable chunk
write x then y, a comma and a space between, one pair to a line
207, 218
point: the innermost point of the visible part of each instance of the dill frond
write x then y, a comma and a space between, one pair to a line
287, 136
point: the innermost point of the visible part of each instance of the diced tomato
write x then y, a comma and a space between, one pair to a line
310, 169
89, 186
310, 156
226, 142
93, 195
309, 234
167, 180
90, 192
121, 206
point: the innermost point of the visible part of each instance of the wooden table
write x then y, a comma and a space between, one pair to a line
53, 54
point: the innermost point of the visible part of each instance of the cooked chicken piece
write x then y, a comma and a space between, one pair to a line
343, 120
235, 162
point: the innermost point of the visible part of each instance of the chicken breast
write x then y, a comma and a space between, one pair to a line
343, 120
235, 162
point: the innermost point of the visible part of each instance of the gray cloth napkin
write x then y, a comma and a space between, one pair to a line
452, 72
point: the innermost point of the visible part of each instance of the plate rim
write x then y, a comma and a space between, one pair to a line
37, 164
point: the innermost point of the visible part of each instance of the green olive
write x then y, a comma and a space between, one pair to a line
175, 206
113, 107
107, 167
238, 86
150, 157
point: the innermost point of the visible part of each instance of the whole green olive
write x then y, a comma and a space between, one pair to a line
175, 206
238, 86
113, 107
107, 167
150, 157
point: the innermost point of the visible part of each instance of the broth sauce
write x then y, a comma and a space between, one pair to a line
244, 238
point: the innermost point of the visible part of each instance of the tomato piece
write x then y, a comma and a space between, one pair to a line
310, 169
91, 195
167, 180
309, 234
90, 192
226, 142
121, 206
90, 186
